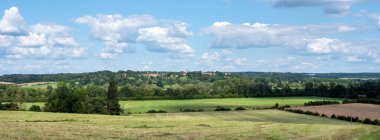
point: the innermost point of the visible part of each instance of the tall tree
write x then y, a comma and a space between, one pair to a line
113, 106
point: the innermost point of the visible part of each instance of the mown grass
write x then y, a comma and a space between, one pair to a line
206, 104
253, 124
210, 104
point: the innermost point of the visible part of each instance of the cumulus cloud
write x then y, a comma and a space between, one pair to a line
170, 39
331, 7
32, 40
117, 32
300, 38
20, 41
12, 22
325, 46
226, 35
210, 59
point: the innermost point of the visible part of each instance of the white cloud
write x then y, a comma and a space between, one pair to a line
49, 29
32, 40
345, 28
117, 32
115, 27
6, 41
354, 58
210, 59
331, 7
240, 61
325, 46
12, 22
39, 41
302, 39
165, 39
226, 35
378, 22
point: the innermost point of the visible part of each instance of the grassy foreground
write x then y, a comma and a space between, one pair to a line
206, 104
256, 124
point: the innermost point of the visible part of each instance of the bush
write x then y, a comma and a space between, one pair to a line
375, 122
316, 103
35, 108
219, 108
240, 108
151, 111
276, 105
367, 121
9, 106
159, 111
323, 115
189, 110
129, 113
333, 116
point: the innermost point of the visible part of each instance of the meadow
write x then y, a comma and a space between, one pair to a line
253, 124
207, 104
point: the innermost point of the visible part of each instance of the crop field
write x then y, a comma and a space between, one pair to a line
355, 110
207, 104
253, 124
42, 85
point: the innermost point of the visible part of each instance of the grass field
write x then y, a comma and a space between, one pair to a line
42, 85
210, 104
254, 124
207, 104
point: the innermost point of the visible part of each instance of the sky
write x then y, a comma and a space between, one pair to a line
71, 36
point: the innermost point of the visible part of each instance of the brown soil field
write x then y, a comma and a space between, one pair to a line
355, 110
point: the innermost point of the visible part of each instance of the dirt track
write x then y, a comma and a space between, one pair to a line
355, 110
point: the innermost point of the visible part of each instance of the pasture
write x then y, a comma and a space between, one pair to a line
207, 104
360, 110
41, 85
253, 124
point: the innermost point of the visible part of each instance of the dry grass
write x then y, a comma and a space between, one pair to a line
259, 124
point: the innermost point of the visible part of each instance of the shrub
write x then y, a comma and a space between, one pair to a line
316, 103
200, 110
276, 105
375, 122
240, 108
189, 110
333, 116
367, 121
159, 111
219, 108
151, 111
35, 108
9, 106
323, 115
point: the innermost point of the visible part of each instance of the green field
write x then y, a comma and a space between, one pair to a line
207, 104
210, 104
253, 124
41, 85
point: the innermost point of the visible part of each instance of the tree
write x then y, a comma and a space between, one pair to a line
21, 96
113, 106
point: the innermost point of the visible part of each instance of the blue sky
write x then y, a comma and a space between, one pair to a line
44, 36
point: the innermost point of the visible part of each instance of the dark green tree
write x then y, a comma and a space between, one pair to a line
113, 106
